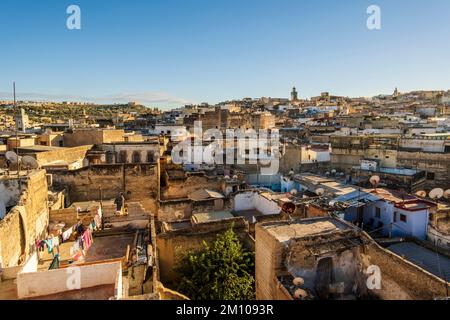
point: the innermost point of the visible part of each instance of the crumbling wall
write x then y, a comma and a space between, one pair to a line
180, 188
138, 182
26, 222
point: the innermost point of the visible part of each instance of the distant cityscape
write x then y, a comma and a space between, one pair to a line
357, 207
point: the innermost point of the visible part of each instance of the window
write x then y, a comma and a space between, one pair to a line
395, 216
430, 175
377, 212
136, 157
403, 218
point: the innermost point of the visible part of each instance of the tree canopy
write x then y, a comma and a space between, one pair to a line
220, 271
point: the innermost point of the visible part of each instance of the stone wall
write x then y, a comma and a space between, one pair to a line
26, 222
138, 182
65, 154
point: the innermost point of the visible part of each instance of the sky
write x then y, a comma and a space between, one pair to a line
167, 53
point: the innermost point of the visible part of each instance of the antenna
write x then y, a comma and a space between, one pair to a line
17, 132
294, 191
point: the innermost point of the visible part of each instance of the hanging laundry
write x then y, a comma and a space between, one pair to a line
55, 263
75, 248
49, 244
87, 240
66, 234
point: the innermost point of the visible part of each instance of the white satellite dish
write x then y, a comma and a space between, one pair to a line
327, 173
447, 194
421, 194
291, 173
294, 191
300, 294
12, 157
28, 162
320, 191
235, 177
227, 177
298, 281
436, 193
374, 181
333, 171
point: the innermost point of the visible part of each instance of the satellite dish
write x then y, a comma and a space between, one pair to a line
320, 191
235, 177
179, 215
374, 181
30, 163
327, 173
300, 294
421, 194
298, 281
447, 194
333, 171
12, 157
294, 191
291, 173
436, 193
227, 177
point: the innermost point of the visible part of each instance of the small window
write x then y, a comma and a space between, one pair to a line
387, 157
395, 216
377, 212
403, 218
430, 175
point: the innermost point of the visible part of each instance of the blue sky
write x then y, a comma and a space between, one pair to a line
170, 52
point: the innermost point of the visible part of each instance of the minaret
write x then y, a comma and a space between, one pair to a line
294, 94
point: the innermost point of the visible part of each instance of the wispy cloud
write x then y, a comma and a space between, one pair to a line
159, 99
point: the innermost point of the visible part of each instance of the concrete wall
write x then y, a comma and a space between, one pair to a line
36, 284
25, 222
252, 200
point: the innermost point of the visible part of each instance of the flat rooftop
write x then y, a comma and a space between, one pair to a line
284, 231
427, 259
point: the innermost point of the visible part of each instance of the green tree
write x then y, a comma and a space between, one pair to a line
220, 271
